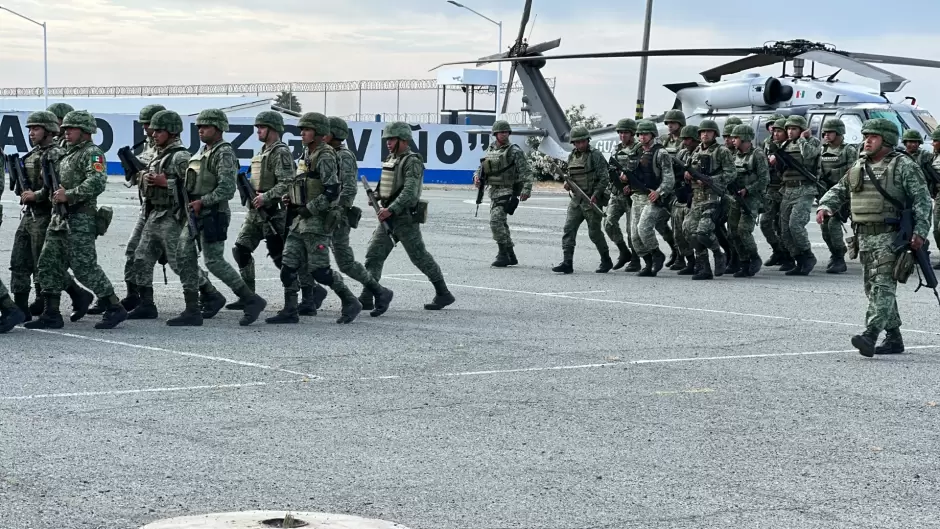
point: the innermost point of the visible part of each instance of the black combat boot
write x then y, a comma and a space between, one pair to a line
734, 265
211, 301
865, 342
383, 298
22, 301
624, 256
311, 299
254, 305
512, 256
191, 315
442, 297
776, 257
352, 308
81, 300
502, 257
132, 299
703, 267
893, 344
50, 318
673, 256
659, 259
99, 307
634, 265
689, 268
147, 310
808, 264
721, 262
647, 270
606, 262
289, 313
679, 264
367, 299
238, 304
11, 315
787, 262
115, 314
36, 307
754, 265
836, 264
565, 267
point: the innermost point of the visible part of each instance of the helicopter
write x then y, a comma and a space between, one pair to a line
753, 98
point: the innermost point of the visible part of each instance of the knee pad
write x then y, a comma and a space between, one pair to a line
242, 255
324, 276
702, 239
288, 276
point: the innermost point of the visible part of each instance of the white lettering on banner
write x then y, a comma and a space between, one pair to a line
451, 154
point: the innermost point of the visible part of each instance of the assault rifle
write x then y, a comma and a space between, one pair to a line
375, 206
130, 162
633, 181
52, 182
482, 184
577, 189
789, 161
18, 180
247, 193
710, 182
192, 223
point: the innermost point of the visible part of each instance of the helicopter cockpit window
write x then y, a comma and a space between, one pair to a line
890, 115
928, 120
853, 129
911, 122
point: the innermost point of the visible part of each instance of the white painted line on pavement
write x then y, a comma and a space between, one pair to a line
659, 306
569, 293
145, 390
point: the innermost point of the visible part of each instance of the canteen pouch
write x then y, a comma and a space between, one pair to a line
214, 226
904, 267
103, 217
852, 244
420, 212
353, 216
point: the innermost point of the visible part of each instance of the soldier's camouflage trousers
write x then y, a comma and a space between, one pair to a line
833, 235
161, 233
795, 210
770, 218
346, 258
699, 226
27, 245
132, 244
76, 250
645, 218
498, 217
619, 206
408, 233
880, 285
741, 229
187, 260
253, 231
310, 253
936, 220
578, 213
679, 212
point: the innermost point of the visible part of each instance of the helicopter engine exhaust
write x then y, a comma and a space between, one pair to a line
748, 92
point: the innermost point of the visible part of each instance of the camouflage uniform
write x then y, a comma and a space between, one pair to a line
60, 110
342, 251
771, 124
834, 161
399, 192
682, 198
935, 163
162, 227
210, 179
724, 235
508, 176
655, 172
70, 240
620, 203
715, 161
871, 211
797, 201
770, 216
589, 170
752, 175
672, 143
11, 315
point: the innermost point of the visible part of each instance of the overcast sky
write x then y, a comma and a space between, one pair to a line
132, 42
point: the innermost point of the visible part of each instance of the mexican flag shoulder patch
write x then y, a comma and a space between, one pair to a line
97, 163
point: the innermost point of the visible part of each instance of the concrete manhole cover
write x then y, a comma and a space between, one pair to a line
273, 519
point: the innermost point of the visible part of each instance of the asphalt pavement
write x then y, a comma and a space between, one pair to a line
537, 400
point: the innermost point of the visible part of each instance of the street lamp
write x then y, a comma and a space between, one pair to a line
45, 52
499, 74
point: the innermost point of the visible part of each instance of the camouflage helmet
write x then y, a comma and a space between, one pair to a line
44, 119
146, 113
270, 119
675, 115
689, 132
745, 132
167, 120
708, 124
501, 126
912, 135
338, 128
780, 124
773, 119
645, 126
935, 135
397, 129
734, 120
884, 128
730, 124
579, 133
627, 125
60, 109
796, 121
213, 117
80, 119
834, 125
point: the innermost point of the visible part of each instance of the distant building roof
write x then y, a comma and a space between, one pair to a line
184, 105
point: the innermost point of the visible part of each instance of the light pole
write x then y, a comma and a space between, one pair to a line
641, 90
45, 52
499, 70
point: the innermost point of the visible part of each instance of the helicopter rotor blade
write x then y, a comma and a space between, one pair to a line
517, 47
754, 61
891, 59
706, 52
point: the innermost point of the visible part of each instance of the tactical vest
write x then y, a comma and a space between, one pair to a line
345, 200
159, 197
744, 175
392, 180
581, 170
625, 157
646, 170
199, 179
703, 160
262, 176
499, 167
308, 183
33, 163
672, 145
868, 206
790, 174
833, 163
